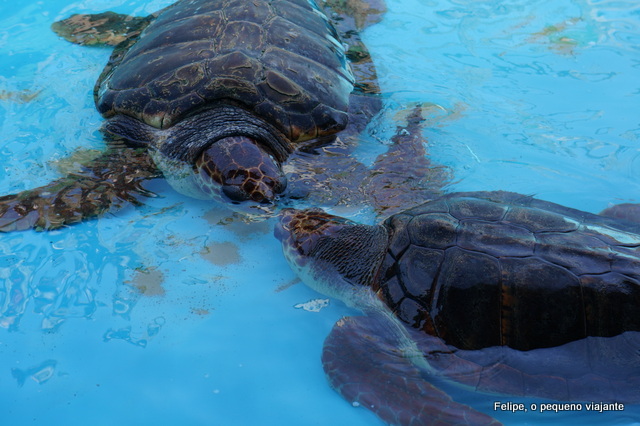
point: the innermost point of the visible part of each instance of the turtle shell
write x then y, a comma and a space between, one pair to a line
501, 269
279, 59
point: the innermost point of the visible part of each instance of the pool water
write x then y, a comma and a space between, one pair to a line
178, 312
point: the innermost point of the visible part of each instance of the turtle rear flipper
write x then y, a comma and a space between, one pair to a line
108, 28
366, 367
350, 17
404, 175
592, 369
114, 178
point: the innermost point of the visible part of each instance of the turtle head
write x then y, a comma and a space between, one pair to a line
301, 231
238, 169
331, 254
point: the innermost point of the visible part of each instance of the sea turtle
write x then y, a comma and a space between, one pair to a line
497, 291
214, 95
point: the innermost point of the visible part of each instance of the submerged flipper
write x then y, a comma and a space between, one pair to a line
114, 178
360, 13
350, 17
106, 28
625, 211
366, 367
400, 178
404, 176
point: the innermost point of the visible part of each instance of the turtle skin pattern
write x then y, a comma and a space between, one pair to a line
501, 269
279, 59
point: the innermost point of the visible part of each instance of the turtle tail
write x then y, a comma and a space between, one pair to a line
113, 179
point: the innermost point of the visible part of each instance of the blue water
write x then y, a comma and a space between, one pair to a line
180, 313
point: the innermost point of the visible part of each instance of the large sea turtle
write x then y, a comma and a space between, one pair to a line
497, 291
214, 95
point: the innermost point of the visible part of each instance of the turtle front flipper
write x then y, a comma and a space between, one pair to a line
366, 367
108, 28
112, 179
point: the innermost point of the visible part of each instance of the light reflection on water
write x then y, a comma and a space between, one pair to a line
547, 92
136, 309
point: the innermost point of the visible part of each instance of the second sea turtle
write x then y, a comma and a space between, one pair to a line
495, 291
